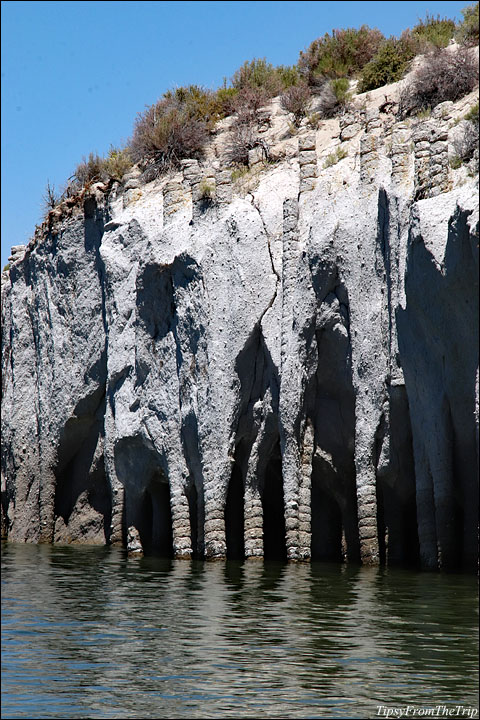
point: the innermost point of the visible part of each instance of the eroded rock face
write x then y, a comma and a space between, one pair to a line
290, 375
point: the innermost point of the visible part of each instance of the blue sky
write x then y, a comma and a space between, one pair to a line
75, 74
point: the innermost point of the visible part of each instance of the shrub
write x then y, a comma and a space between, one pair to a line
197, 103
172, 129
313, 120
443, 75
344, 52
206, 190
51, 197
6, 267
225, 98
388, 65
91, 169
472, 114
334, 97
256, 74
434, 31
466, 142
243, 139
247, 103
456, 162
239, 171
117, 163
467, 31
335, 157
295, 100
288, 75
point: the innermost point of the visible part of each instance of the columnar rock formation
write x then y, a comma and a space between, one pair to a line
293, 374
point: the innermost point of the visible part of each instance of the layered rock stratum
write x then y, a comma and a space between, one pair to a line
289, 369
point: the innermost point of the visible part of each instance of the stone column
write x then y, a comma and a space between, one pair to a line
253, 510
431, 159
223, 190
182, 535
290, 389
307, 159
305, 495
173, 200
350, 126
401, 154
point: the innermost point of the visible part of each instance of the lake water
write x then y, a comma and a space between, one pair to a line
89, 633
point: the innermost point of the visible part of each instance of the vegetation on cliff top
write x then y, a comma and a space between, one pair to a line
180, 123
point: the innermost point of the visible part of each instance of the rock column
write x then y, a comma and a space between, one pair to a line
223, 190
305, 496
307, 158
431, 160
291, 390
173, 199
369, 147
182, 539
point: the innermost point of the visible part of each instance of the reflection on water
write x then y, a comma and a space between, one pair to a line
88, 633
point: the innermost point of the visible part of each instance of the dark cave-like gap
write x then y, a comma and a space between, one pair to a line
234, 515
326, 520
155, 518
274, 540
397, 527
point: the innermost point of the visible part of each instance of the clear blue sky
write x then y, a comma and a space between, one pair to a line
75, 74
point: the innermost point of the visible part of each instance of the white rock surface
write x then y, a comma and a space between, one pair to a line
290, 373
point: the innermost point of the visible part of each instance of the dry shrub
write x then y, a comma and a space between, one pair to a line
246, 104
91, 169
167, 132
51, 197
443, 75
334, 97
295, 100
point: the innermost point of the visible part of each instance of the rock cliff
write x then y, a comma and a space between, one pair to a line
289, 369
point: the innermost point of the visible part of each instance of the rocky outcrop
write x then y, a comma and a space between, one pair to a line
289, 374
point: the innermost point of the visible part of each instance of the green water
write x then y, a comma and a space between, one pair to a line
88, 633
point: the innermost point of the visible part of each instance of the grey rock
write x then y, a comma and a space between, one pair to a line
295, 373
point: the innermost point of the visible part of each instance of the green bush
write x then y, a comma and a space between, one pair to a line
334, 97
289, 75
255, 74
467, 31
456, 162
388, 65
340, 88
335, 157
197, 103
206, 190
117, 163
91, 169
6, 267
225, 98
343, 53
434, 31
472, 114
